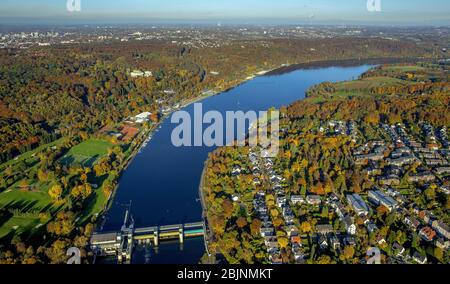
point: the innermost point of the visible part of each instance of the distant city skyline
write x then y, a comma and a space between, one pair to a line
398, 12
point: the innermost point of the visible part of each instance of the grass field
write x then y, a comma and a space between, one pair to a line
33, 202
18, 225
96, 204
371, 82
26, 201
30, 155
86, 153
347, 89
30, 202
406, 68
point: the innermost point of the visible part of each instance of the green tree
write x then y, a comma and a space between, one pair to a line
439, 254
55, 192
349, 252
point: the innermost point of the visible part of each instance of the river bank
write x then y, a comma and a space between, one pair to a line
151, 131
168, 179
342, 63
307, 66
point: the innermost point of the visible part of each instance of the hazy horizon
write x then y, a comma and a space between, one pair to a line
229, 12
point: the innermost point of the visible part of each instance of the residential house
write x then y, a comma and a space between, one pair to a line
292, 230
390, 180
323, 242
297, 199
281, 201
335, 243
442, 170
435, 162
359, 206
349, 224
411, 222
401, 161
296, 240
288, 215
419, 258
267, 232
275, 258
371, 227
349, 241
443, 244
363, 159
427, 234
339, 208
380, 240
422, 177
441, 228
236, 171
398, 249
299, 255
136, 73
142, 117
256, 181
379, 198
445, 189
272, 244
324, 229
313, 199
426, 216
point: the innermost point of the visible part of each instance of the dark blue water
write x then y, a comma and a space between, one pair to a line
163, 180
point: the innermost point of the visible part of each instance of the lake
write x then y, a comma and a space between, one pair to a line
162, 181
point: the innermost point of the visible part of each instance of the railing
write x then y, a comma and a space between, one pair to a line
122, 242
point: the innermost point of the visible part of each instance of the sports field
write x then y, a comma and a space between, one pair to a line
86, 153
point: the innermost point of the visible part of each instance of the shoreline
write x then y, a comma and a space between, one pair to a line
343, 63
207, 231
282, 69
288, 69
183, 104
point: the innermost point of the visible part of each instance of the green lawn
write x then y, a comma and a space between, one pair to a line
96, 204
408, 68
86, 153
358, 88
27, 201
37, 200
30, 154
19, 225
368, 83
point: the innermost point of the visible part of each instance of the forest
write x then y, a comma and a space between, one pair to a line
46, 93
317, 159
56, 104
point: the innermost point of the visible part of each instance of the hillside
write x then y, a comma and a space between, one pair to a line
362, 164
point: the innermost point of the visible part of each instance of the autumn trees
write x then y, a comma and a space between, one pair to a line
81, 191
56, 192
63, 225
315, 161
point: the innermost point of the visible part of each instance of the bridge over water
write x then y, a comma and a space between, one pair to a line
121, 243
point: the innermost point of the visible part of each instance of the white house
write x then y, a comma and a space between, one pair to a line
349, 225
142, 117
297, 199
136, 73
139, 73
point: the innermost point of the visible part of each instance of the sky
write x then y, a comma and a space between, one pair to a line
393, 12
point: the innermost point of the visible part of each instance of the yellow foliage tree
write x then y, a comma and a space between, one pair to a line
55, 192
306, 227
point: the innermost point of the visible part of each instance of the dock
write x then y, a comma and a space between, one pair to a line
121, 243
